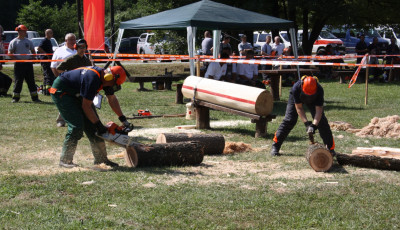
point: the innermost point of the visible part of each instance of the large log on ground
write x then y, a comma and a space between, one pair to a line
319, 157
177, 154
212, 143
376, 158
244, 98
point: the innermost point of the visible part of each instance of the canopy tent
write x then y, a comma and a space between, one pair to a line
206, 15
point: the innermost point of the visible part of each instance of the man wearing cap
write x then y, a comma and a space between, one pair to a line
244, 46
73, 93
77, 60
309, 92
23, 70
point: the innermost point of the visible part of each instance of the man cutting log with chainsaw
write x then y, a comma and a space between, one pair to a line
73, 93
309, 92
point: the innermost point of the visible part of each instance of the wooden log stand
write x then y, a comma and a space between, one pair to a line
213, 143
319, 157
203, 117
171, 154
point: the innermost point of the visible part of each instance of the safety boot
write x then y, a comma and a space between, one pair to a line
275, 150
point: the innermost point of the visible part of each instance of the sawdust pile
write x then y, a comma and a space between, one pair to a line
236, 147
340, 125
382, 127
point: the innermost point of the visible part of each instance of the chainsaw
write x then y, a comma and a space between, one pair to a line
118, 135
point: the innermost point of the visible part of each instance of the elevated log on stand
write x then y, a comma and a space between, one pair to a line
212, 143
375, 158
177, 154
319, 157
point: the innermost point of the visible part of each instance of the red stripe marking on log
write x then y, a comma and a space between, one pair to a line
220, 95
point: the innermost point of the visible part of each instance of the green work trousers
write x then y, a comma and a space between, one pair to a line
70, 107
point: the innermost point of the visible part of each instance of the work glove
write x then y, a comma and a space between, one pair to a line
127, 125
311, 129
100, 128
307, 124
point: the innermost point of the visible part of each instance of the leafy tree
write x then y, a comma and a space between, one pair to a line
62, 22
35, 16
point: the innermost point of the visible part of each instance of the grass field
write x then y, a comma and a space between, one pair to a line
249, 190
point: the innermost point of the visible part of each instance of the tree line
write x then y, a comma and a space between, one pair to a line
310, 15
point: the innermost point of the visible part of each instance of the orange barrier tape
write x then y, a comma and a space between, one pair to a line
354, 78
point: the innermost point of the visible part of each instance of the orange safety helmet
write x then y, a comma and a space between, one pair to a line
309, 85
119, 74
21, 27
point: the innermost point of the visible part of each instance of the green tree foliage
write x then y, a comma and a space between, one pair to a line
169, 42
39, 17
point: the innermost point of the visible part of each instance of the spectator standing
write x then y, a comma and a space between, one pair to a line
266, 50
230, 67
79, 111
77, 60
64, 52
207, 43
5, 80
45, 47
244, 46
23, 70
277, 47
309, 92
248, 73
374, 49
361, 48
60, 54
225, 44
392, 49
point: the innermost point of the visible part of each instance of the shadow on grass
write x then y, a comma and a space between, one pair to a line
161, 170
337, 168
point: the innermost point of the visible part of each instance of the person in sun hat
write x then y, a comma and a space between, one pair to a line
309, 92
73, 93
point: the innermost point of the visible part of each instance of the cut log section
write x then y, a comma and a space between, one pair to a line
171, 154
375, 158
319, 158
213, 143
241, 97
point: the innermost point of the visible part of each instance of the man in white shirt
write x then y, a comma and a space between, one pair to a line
60, 54
248, 73
217, 71
63, 52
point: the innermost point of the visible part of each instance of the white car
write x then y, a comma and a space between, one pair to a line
36, 43
325, 38
388, 32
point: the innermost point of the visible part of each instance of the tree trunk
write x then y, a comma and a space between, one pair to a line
213, 143
369, 161
319, 157
177, 154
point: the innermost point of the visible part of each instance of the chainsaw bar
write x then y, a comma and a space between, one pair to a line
119, 139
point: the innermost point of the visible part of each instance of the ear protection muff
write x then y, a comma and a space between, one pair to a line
304, 77
109, 76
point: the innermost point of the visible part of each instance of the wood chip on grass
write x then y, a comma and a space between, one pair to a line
236, 147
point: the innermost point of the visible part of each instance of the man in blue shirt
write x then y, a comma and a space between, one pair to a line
73, 93
305, 91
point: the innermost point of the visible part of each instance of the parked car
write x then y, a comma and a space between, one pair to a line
128, 45
10, 35
144, 46
36, 43
351, 37
326, 38
387, 33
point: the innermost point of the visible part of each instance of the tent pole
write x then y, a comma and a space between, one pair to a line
293, 41
216, 43
191, 36
120, 34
